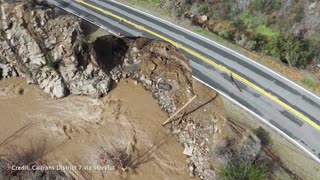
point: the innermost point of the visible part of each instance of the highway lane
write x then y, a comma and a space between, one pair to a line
302, 131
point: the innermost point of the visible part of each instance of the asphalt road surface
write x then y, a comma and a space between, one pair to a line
288, 108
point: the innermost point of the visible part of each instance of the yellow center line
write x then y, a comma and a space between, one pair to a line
209, 61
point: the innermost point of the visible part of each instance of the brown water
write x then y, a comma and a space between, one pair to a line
76, 128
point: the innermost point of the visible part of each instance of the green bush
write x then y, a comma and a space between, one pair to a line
238, 24
252, 21
309, 81
224, 34
50, 61
298, 11
267, 32
243, 172
264, 5
277, 4
290, 49
203, 9
259, 5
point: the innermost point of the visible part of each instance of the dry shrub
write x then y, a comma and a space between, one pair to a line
119, 158
19, 157
29, 156
128, 158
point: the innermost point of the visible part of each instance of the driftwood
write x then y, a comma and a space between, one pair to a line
177, 112
236, 127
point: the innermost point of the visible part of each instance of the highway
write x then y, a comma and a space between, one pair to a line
288, 108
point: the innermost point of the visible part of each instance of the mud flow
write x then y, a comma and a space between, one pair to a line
76, 129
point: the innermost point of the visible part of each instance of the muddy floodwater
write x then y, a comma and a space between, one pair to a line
77, 129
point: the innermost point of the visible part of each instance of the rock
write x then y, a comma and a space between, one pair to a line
191, 168
204, 18
6, 72
53, 85
104, 85
188, 149
59, 90
77, 74
148, 82
198, 20
142, 78
89, 89
176, 131
89, 71
14, 72
164, 86
116, 73
134, 49
312, 6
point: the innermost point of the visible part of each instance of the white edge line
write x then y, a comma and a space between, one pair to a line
86, 19
263, 120
220, 45
223, 94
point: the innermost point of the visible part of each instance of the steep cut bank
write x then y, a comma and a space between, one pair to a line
53, 51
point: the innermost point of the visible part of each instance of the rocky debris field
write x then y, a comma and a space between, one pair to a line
37, 46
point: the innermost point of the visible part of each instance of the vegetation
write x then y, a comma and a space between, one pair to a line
152, 2
265, 5
29, 157
50, 61
256, 27
298, 11
294, 51
277, 4
263, 30
309, 81
224, 34
203, 9
18, 156
263, 135
243, 171
290, 49
259, 4
120, 158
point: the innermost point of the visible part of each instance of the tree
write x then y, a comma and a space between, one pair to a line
290, 49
